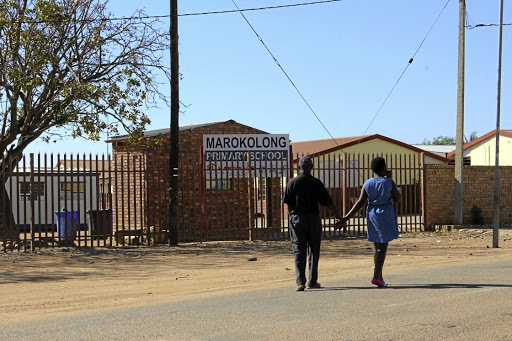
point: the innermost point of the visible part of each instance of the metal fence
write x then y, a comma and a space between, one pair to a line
88, 201
407, 173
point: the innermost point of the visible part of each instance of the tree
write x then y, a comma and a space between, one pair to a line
69, 64
472, 137
446, 140
440, 140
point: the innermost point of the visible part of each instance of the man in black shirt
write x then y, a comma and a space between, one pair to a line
302, 195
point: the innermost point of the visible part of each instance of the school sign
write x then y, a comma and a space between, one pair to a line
234, 155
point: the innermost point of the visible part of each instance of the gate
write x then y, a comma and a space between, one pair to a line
344, 178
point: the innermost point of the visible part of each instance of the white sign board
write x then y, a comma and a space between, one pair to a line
228, 155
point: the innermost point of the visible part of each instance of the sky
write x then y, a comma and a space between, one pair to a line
344, 57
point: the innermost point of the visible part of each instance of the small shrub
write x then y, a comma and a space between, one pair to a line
476, 213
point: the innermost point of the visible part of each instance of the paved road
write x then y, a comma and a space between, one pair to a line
455, 302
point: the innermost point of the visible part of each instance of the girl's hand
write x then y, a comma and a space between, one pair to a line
341, 223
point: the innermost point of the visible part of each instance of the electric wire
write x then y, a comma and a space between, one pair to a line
405, 69
285, 73
303, 98
470, 27
165, 16
261, 8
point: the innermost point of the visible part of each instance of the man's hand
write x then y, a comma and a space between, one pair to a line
341, 222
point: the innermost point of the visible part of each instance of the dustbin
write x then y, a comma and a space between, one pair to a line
67, 224
99, 223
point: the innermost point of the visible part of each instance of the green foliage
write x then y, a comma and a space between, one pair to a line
64, 64
447, 140
440, 140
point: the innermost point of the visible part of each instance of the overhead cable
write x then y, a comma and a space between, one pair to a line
470, 27
165, 16
286, 74
405, 69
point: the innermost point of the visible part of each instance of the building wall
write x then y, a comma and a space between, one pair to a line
226, 209
396, 156
378, 146
484, 153
478, 189
358, 164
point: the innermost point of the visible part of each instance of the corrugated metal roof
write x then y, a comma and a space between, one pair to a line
441, 150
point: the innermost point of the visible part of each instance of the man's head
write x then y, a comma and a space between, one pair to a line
306, 164
379, 166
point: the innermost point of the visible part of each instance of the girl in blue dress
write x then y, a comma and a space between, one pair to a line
380, 192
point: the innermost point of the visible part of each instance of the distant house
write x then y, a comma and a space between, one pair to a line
328, 158
343, 164
370, 144
482, 151
100, 165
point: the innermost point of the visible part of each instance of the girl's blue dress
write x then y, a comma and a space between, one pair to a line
380, 213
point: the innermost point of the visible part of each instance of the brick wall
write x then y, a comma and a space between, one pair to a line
478, 189
226, 210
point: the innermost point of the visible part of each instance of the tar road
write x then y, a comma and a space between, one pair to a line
444, 302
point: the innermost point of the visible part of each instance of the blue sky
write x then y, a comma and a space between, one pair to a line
344, 57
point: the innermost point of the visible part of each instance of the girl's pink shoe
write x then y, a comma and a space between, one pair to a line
379, 283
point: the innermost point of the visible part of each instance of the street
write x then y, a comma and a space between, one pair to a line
444, 302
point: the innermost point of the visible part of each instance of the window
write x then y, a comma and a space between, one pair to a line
75, 190
38, 190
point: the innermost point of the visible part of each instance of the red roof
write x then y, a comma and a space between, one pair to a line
317, 148
507, 133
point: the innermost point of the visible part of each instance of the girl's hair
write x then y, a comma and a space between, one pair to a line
378, 164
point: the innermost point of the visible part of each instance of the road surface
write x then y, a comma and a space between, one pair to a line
444, 302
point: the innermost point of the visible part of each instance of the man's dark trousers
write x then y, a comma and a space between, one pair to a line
306, 235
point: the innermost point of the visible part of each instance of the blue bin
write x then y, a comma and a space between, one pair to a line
67, 224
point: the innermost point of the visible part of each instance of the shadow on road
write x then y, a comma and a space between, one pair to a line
423, 286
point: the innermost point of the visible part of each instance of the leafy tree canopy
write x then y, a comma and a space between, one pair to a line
440, 140
447, 140
68, 63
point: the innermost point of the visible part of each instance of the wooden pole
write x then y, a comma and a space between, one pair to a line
496, 204
459, 143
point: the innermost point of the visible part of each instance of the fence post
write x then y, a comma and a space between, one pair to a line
32, 210
344, 186
424, 215
202, 190
249, 186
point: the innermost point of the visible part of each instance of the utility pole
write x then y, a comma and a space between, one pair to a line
174, 131
496, 204
459, 139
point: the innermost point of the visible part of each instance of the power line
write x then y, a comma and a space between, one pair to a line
286, 74
470, 27
165, 16
261, 8
405, 69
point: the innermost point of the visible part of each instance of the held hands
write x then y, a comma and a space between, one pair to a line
340, 223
